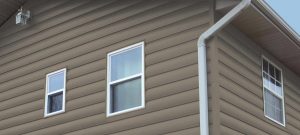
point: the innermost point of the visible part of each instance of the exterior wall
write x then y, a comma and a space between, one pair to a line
77, 35
241, 92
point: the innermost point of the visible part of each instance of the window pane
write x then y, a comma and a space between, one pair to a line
278, 88
278, 75
55, 102
126, 64
266, 79
272, 85
56, 81
273, 106
265, 66
272, 70
126, 95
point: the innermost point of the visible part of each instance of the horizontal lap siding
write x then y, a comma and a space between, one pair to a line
241, 94
78, 35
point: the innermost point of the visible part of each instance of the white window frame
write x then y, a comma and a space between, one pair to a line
110, 83
279, 96
47, 94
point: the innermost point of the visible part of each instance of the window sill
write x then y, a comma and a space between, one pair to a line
53, 113
277, 122
125, 111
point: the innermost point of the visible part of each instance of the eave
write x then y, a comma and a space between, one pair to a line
8, 8
268, 30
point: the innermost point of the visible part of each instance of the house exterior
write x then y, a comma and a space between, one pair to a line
64, 71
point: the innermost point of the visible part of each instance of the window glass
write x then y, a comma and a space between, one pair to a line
126, 64
271, 71
126, 95
278, 75
273, 106
265, 66
56, 82
266, 80
278, 88
55, 102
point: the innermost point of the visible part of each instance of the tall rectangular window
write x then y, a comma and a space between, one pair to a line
55, 92
125, 80
273, 92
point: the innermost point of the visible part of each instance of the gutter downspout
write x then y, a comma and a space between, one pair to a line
202, 71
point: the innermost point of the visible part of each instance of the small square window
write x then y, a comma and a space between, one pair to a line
125, 75
273, 92
55, 92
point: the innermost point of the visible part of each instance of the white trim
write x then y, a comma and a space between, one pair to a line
54, 92
271, 91
125, 49
126, 78
279, 19
63, 90
109, 83
125, 111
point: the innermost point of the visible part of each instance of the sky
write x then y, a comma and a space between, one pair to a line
289, 10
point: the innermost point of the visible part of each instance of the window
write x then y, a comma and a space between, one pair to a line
55, 92
125, 80
273, 92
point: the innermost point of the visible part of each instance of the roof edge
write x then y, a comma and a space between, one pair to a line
269, 13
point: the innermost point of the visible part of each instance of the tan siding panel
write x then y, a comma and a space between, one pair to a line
61, 13
164, 127
68, 44
22, 109
90, 113
147, 119
73, 62
186, 72
241, 92
89, 78
191, 131
292, 96
70, 54
228, 131
166, 54
251, 120
21, 100
240, 79
68, 30
172, 88
172, 64
38, 9
22, 90
78, 38
247, 111
134, 18
239, 126
293, 116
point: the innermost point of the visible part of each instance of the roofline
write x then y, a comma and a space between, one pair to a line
272, 16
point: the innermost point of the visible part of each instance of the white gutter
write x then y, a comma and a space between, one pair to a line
202, 71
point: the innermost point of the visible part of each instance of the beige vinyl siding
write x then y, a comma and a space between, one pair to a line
78, 35
241, 92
